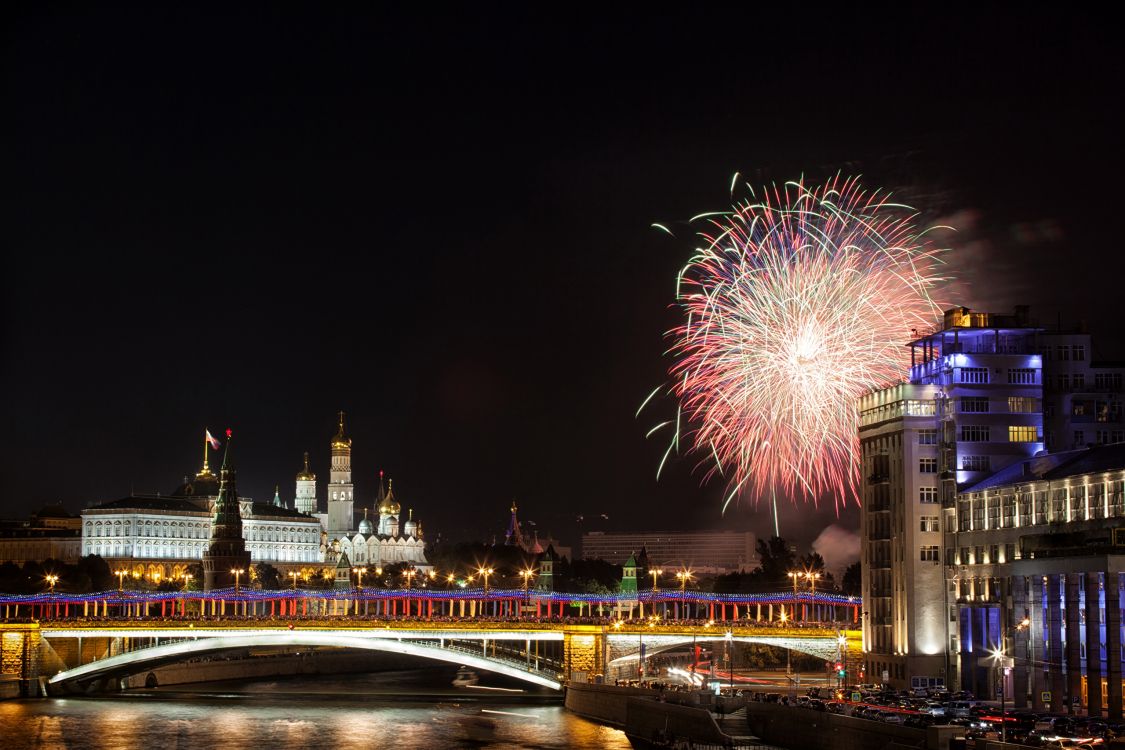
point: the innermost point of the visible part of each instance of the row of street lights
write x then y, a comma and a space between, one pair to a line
409, 573
683, 576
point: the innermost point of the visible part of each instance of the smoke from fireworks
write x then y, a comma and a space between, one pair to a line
798, 303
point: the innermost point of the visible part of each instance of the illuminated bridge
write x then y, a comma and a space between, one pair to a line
91, 642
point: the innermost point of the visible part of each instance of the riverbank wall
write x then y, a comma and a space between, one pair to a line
805, 729
647, 713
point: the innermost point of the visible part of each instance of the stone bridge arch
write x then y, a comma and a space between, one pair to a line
103, 673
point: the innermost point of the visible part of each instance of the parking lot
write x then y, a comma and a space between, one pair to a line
981, 720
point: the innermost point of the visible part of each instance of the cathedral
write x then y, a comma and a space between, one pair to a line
362, 543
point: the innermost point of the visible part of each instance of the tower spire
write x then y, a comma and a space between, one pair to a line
226, 550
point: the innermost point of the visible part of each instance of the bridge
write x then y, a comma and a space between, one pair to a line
90, 642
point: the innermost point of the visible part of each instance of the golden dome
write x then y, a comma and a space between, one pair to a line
390, 506
306, 475
340, 440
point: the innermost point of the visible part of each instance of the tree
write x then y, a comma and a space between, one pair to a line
97, 570
852, 582
266, 575
775, 560
814, 563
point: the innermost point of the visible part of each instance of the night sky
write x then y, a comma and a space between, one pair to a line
440, 223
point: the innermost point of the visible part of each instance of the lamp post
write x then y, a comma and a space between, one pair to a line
1005, 668
485, 573
842, 646
294, 575
655, 573
236, 572
730, 659
359, 576
120, 579
187, 580
527, 574
409, 574
52, 579
683, 576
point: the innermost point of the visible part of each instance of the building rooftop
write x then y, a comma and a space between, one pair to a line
1051, 466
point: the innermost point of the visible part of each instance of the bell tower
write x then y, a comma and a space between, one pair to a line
306, 489
341, 492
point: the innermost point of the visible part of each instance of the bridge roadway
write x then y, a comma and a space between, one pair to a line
542, 653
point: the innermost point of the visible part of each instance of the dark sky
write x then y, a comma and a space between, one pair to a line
440, 223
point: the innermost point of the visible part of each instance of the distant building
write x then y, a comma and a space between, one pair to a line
702, 551
514, 536
1081, 398
52, 533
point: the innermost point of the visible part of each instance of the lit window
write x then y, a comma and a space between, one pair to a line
927, 494
1023, 405
927, 437
1023, 434
973, 375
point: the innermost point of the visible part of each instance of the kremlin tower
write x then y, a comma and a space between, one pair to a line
227, 548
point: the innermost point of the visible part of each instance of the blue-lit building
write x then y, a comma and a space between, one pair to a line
977, 542
972, 405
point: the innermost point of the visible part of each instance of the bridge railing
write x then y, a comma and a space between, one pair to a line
505, 604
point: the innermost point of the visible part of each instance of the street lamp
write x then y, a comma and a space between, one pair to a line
527, 574
187, 580
485, 573
359, 575
409, 573
120, 579
236, 572
1005, 669
730, 659
655, 573
294, 575
52, 579
683, 576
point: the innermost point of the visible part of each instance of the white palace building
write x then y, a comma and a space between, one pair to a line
159, 536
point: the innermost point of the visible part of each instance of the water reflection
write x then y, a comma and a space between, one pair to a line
248, 721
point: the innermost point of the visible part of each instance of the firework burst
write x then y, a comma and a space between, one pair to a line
798, 302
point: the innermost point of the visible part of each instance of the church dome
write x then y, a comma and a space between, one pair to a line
305, 475
341, 440
390, 506
365, 527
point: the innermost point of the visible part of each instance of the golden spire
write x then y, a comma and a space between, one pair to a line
205, 472
513, 506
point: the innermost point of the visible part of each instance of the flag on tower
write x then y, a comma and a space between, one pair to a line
215, 444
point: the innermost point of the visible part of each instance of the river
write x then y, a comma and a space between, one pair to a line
351, 712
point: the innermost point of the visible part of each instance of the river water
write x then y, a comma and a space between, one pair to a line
352, 712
